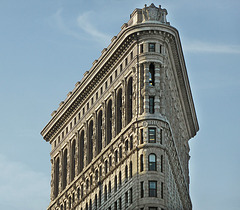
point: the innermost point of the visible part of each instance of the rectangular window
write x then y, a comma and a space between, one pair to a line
106, 167
161, 136
115, 205
151, 47
96, 175
141, 48
120, 178
106, 85
162, 190
126, 62
81, 190
126, 145
131, 55
141, 163
152, 188
120, 67
111, 80
115, 74
62, 134
120, 152
141, 136
101, 90
83, 111
100, 171
130, 195
75, 121
100, 197
151, 104
87, 105
131, 142
116, 156
110, 161
152, 135
160, 50
141, 190
92, 101
120, 203
90, 180
161, 163
115, 183
126, 198
70, 125
96, 95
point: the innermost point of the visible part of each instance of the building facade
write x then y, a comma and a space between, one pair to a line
120, 138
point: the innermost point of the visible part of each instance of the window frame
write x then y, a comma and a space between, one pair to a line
152, 165
152, 192
149, 135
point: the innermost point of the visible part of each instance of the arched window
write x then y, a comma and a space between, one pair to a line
141, 162
151, 75
130, 169
119, 111
109, 188
73, 159
126, 172
78, 193
90, 205
152, 162
109, 121
81, 152
129, 101
56, 180
87, 206
115, 183
100, 197
105, 193
99, 132
95, 201
90, 141
70, 202
120, 178
64, 177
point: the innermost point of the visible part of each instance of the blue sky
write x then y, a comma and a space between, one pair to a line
47, 45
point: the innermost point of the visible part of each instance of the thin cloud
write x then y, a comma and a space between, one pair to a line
62, 26
204, 47
85, 25
22, 188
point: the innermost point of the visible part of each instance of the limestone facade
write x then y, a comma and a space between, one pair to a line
120, 138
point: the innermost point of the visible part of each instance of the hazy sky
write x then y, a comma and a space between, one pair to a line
47, 45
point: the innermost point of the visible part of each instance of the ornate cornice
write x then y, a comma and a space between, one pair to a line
109, 59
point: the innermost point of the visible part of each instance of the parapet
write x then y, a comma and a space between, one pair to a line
148, 14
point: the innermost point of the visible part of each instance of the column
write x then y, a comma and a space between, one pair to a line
52, 179
85, 144
157, 88
145, 88
162, 89
113, 114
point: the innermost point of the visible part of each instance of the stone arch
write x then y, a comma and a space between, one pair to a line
81, 151
99, 131
109, 121
119, 111
56, 177
129, 101
90, 142
73, 162
64, 169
